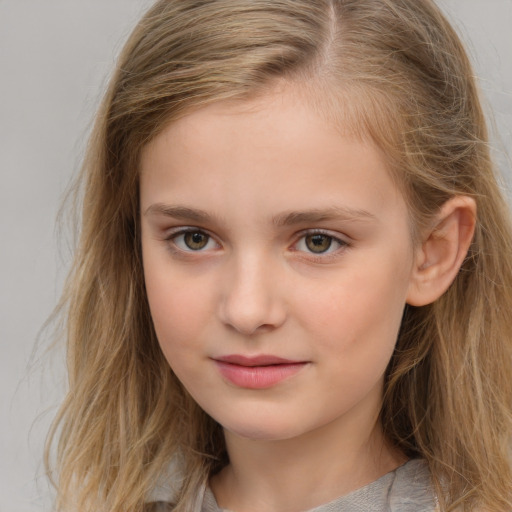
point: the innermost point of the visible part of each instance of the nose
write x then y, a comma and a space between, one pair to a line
252, 298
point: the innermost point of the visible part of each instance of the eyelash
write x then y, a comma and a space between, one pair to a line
329, 253
320, 256
182, 232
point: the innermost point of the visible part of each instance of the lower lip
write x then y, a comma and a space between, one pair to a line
258, 377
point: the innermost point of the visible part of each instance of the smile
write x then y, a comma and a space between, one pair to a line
259, 372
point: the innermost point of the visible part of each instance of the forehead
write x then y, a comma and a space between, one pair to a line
271, 153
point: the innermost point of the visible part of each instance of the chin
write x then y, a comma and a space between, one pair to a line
263, 429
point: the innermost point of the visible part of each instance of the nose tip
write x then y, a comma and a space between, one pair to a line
249, 325
252, 302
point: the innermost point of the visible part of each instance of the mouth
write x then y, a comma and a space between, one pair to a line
259, 372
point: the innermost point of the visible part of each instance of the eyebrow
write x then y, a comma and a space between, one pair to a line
289, 218
179, 212
335, 213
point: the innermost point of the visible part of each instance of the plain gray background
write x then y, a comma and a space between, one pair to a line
55, 57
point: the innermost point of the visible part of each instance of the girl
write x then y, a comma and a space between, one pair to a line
293, 284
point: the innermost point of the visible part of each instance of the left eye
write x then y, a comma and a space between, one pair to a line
319, 243
193, 241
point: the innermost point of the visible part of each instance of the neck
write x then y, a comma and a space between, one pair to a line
303, 472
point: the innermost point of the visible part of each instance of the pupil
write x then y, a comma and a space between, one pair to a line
318, 243
196, 240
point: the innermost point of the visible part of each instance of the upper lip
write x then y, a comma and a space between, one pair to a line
261, 360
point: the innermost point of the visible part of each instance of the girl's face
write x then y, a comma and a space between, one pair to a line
277, 259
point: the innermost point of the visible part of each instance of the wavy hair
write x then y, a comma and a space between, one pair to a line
391, 70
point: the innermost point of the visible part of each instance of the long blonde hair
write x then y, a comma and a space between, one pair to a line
392, 70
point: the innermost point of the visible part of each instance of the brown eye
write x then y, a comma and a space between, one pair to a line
318, 243
195, 240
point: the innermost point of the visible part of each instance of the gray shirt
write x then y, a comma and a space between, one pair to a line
406, 489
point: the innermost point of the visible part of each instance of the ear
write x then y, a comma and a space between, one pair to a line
442, 251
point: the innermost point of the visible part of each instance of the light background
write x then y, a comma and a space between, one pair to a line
55, 57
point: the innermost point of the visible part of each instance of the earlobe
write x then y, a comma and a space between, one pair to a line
442, 251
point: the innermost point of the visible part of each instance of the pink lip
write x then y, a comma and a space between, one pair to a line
257, 372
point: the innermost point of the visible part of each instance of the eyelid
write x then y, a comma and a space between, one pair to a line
173, 233
178, 230
344, 243
335, 235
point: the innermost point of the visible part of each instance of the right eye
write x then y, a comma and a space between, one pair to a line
193, 240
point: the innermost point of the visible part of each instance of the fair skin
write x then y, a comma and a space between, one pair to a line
269, 237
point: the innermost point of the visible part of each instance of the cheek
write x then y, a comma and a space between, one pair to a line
179, 306
179, 318
358, 313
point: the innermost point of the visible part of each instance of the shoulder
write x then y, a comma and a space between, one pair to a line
165, 494
158, 506
166, 488
411, 489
